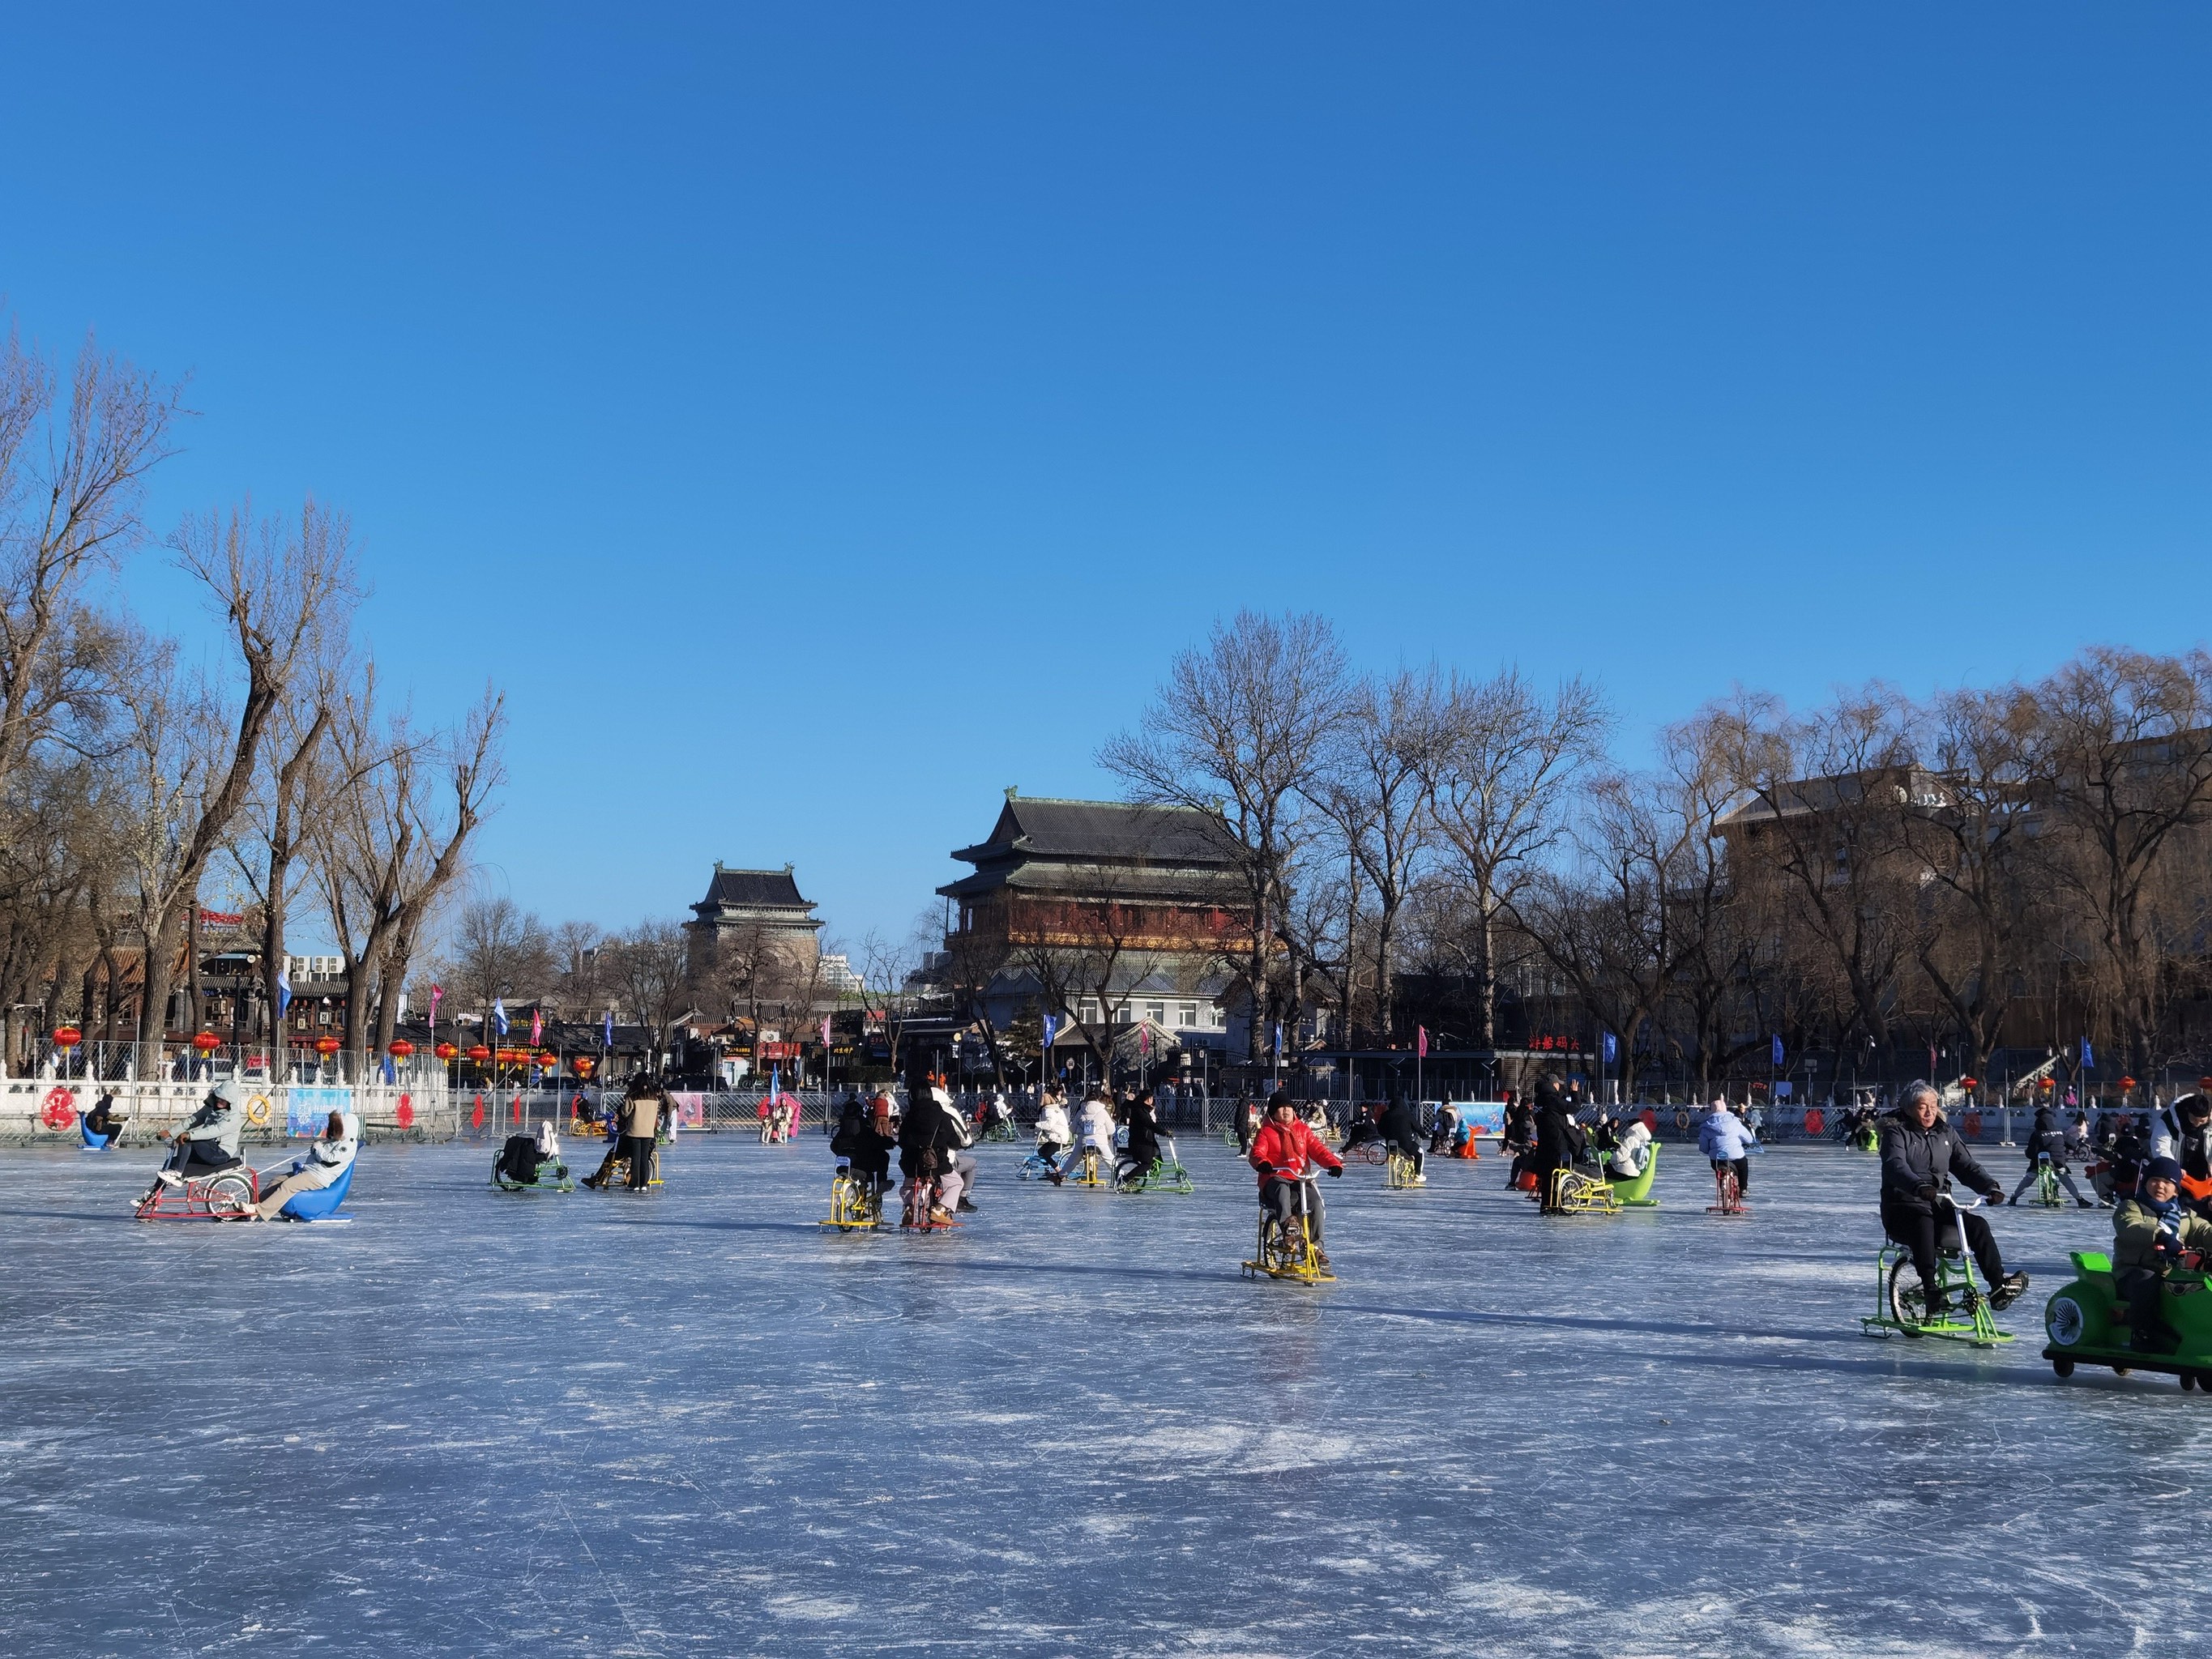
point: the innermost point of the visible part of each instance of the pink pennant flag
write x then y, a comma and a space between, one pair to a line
1421, 1041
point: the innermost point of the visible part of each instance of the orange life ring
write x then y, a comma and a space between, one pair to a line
58, 1110
1972, 1124
1816, 1120
1682, 1118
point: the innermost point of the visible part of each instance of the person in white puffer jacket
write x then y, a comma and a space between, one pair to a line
330, 1155
1053, 1135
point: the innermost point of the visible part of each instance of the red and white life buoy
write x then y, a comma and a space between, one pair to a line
59, 1109
1816, 1120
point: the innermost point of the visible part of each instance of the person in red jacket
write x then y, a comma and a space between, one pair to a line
1283, 1151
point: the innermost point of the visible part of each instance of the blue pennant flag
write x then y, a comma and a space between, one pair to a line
391, 1077
283, 990
1778, 1048
499, 1014
1051, 1031
607, 1031
1611, 1049
1279, 1039
2088, 1056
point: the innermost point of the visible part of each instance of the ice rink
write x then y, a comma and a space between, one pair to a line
693, 1422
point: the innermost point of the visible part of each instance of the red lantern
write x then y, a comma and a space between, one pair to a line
68, 1037
207, 1042
401, 1048
326, 1046
583, 1065
445, 1051
2127, 1083
546, 1058
478, 1053
1968, 1083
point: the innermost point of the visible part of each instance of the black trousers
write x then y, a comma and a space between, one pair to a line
2141, 1287
192, 1158
1914, 1227
1742, 1168
640, 1150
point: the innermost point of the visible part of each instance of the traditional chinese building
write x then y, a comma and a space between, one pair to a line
753, 911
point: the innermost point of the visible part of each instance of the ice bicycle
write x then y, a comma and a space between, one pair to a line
1164, 1175
855, 1205
916, 1200
1399, 1171
1577, 1192
2086, 1321
1901, 1304
518, 1168
1092, 1169
1728, 1192
225, 1195
1289, 1252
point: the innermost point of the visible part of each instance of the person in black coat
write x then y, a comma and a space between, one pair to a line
2046, 1143
1560, 1141
860, 1146
1401, 1132
1143, 1150
2192, 1149
1920, 1154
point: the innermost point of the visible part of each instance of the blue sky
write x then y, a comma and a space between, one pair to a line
819, 417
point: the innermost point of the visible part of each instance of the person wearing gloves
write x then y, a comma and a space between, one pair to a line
1053, 1135
931, 1140
103, 1120
2046, 1143
2150, 1232
329, 1156
1920, 1153
1143, 1148
1560, 1142
862, 1146
209, 1140
1400, 1131
1283, 1153
2192, 1149
1631, 1151
1727, 1138
958, 1136
1094, 1130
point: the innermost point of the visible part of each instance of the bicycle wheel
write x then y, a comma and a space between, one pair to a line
229, 1195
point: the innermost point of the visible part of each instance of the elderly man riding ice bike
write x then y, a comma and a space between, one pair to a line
1920, 1155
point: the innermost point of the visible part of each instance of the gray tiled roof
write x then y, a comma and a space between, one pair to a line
1102, 830
753, 887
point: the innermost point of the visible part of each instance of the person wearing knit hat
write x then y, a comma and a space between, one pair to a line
2150, 1232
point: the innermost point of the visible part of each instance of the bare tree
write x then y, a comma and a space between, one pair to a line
1499, 773
274, 587
72, 482
648, 965
395, 840
1971, 844
1375, 788
1238, 732
2126, 755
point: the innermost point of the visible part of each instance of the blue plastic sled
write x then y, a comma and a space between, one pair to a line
317, 1203
94, 1143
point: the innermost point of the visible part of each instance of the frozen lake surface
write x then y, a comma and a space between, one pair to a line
693, 1422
